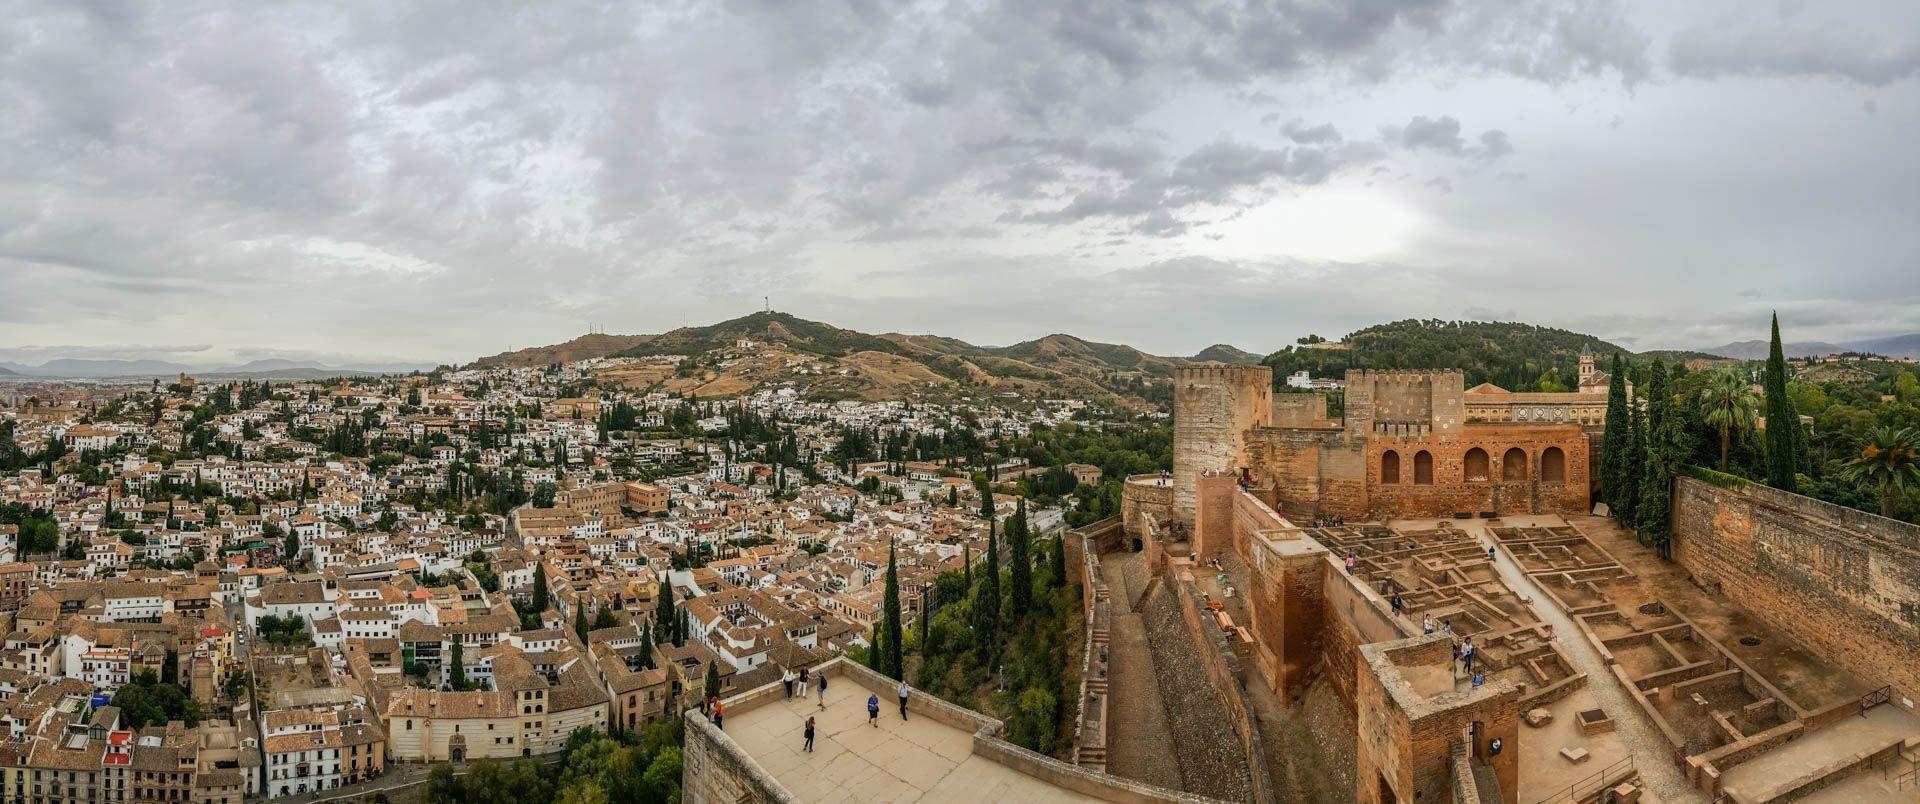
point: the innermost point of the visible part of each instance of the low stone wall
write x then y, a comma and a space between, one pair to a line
1091, 726
715, 770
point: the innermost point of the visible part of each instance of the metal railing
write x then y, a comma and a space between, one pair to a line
1592, 782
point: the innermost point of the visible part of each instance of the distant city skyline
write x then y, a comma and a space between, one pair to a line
214, 183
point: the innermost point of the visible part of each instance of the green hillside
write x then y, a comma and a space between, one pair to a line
1512, 355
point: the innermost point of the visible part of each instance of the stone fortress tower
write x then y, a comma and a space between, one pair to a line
1215, 411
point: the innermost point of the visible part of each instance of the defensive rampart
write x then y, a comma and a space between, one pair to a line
1844, 582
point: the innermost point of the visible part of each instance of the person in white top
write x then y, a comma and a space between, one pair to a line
904, 689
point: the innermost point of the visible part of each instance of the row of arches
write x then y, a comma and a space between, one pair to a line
1477, 466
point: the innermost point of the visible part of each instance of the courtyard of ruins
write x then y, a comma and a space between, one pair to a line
1631, 679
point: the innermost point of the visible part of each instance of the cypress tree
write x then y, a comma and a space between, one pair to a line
966, 565
681, 629
1633, 458
986, 602
1020, 548
459, 669
1655, 498
540, 592
892, 663
580, 620
1612, 441
663, 612
646, 648
713, 681
1059, 574
1782, 423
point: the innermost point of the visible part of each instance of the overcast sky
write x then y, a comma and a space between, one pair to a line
438, 181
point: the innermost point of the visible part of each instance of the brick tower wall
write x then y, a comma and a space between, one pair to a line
1215, 409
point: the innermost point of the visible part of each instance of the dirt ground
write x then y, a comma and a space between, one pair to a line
1800, 673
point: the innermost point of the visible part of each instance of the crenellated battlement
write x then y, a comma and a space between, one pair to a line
1223, 374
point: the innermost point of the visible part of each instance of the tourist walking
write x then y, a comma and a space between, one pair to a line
873, 711
821, 684
786, 680
1350, 556
1489, 553
805, 683
1396, 603
904, 689
718, 715
809, 746
1466, 655
1426, 624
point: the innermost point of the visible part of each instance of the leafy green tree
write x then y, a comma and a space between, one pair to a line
605, 618
1888, 461
1782, 422
1020, 547
1726, 404
893, 663
170, 667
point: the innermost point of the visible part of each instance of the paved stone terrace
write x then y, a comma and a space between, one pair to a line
920, 759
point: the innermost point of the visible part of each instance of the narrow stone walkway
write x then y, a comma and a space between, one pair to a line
1651, 756
1139, 743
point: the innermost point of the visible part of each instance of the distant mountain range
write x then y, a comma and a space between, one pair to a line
1894, 346
267, 369
840, 363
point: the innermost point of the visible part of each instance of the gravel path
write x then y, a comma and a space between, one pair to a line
1651, 755
1140, 746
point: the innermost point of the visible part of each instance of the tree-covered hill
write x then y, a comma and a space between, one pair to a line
1512, 355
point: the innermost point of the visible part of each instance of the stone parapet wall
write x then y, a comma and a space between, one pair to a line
1224, 673
1843, 582
1146, 506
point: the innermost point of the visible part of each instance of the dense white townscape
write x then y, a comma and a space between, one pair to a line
215, 589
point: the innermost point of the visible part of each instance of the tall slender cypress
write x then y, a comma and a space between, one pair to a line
1613, 441
1020, 548
1655, 498
1633, 459
1782, 422
893, 662
986, 601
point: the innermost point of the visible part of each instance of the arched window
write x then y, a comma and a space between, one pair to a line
1423, 468
1553, 465
1513, 466
1476, 469
1390, 467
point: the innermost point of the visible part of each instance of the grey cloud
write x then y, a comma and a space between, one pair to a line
1310, 135
278, 175
1785, 50
1442, 135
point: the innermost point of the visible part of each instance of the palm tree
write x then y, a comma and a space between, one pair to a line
1890, 460
1727, 404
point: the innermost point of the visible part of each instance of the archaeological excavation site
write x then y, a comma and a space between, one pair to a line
1414, 602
